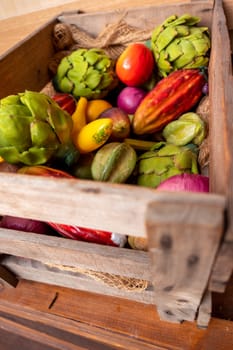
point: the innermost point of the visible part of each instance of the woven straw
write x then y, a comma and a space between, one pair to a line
111, 280
114, 38
203, 110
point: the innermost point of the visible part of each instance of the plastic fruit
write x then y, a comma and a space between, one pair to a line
120, 120
95, 108
135, 65
93, 135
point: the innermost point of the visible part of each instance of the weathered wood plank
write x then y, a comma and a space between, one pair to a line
183, 243
204, 311
7, 278
75, 278
35, 338
70, 253
112, 207
221, 147
149, 17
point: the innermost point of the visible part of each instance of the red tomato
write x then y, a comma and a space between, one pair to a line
135, 65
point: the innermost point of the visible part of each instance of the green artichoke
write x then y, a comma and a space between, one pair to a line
163, 161
86, 72
33, 129
179, 43
187, 128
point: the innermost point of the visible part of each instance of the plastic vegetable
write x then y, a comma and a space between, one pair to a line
82, 169
73, 231
95, 108
188, 128
90, 235
163, 161
66, 102
185, 182
86, 72
43, 170
93, 135
22, 224
170, 98
179, 43
121, 125
129, 98
33, 129
79, 117
135, 65
114, 162
139, 243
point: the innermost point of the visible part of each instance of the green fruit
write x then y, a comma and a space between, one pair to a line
188, 128
114, 162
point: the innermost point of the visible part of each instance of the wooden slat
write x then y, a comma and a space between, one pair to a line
69, 253
35, 338
204, 311
71, 277
7, 278
112, 207
148, 17
221, 148
183, 243
30, 74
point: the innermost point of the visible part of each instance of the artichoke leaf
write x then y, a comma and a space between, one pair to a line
15, 131
42, 135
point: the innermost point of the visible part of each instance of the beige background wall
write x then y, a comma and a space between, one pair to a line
10, 8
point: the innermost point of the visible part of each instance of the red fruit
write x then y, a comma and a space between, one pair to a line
120, 120
135, 65
90, 235
66, 101
169, 99
43, 170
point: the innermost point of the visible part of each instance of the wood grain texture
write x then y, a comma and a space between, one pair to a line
183, 244
106, 320
204, 310
17, 28
7, 278
106, 204
75, 278
221, 97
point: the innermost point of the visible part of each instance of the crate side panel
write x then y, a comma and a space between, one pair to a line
115, 208
59, 251
221, 147
183, 242
76, 279
26, 65
141, 17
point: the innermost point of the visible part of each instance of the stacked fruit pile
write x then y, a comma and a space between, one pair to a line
133, 120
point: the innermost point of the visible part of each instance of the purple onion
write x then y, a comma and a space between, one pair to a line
129, 99
185, 182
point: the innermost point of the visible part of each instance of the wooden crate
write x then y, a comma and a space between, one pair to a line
190, 234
